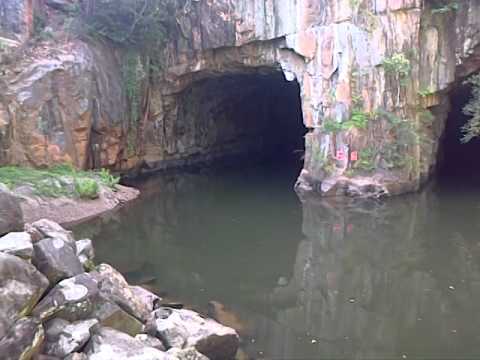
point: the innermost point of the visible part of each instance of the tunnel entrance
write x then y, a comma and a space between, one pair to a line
457, 159
253, 117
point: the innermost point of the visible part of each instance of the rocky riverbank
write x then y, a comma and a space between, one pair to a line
57, 305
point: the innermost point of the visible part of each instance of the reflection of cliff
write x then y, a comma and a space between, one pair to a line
365, 280
383, 280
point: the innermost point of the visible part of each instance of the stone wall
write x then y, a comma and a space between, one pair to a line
347, 57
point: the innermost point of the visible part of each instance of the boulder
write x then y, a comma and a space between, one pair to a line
11, 216
71, 299
115, 288
151, 341
109, 344
111, 315
21, 286
50, 229
23, 340
186, 354
63, 338
18, 244
76, 356
185, 328
85, 252
55, 258
147, 298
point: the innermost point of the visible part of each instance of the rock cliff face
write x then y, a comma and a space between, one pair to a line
373, 76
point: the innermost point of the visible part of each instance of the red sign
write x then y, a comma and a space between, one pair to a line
354, 156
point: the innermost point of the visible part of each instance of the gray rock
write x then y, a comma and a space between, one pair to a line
151, 341
76, 356
109, 344
71, 299
147, 298
186, 328
115, 288
23, 340
64, 338
50, 229
85, 252
186, 354
18, 244
111, 315
21, 286
55, 258
11, 215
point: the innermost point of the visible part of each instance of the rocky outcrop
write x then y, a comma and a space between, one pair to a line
373, 79
91, 315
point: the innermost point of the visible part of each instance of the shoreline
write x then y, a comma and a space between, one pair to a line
68, 211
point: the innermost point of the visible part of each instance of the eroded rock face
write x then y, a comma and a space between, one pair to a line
21, 286
364, 68
18, 244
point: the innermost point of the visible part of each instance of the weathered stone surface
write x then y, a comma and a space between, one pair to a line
56, 259
63, 338
11, 216
186, 354
21, 286
150, 341
111, 315
186, 328
149, 300
71, 299
108, 344
85, 251
115, 288
50, 229
23, 341
77, 356
18, 244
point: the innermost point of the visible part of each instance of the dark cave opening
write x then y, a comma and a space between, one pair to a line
458, 160
243, 119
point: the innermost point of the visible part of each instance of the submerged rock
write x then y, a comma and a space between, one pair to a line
186, 328
56, 258
109, 344
18, 244
23, 340
21, 286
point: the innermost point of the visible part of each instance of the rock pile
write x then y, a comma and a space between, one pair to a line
56, 305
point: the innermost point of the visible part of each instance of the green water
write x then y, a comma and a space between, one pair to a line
321, 280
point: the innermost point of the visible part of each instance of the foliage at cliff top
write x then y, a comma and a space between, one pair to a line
61, 180
139, 24
471, 129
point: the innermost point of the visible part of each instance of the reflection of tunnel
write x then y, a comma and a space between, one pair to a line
457, 158
257, 114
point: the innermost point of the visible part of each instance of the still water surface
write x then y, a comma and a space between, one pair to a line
321, 280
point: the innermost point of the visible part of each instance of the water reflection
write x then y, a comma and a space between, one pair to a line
318, 280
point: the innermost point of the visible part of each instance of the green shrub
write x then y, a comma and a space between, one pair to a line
108, 179
471, 129
86, 188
